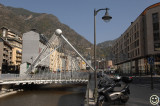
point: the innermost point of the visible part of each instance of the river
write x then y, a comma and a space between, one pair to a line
47, 96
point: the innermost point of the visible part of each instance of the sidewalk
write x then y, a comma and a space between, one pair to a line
140, 95
91, 87
148, 76
146, 81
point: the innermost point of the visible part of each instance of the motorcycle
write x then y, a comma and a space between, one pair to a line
106, 81
107, 93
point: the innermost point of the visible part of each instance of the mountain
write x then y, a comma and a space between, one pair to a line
105, 49
105, 44
21, 20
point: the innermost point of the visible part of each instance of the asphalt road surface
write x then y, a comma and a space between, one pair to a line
140, 96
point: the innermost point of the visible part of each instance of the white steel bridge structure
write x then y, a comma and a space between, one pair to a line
67, 71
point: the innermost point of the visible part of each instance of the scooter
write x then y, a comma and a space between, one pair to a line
109, 95
107, 82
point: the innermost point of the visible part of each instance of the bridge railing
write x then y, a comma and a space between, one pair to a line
9, 76
46, 76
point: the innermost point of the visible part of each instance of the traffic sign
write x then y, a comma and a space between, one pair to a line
151, 60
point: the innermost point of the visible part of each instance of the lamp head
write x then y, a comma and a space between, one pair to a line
106, 17
58, 32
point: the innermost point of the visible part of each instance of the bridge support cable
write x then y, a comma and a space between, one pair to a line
52, 43
59, 33
47, 56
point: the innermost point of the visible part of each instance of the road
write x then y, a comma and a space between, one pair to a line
141, 93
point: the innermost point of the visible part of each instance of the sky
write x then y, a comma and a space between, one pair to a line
79, 14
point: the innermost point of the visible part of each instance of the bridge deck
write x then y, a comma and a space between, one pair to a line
44, 81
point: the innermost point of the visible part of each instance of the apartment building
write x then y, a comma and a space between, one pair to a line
58, 61
33, 44
138, 43
15, 41
63, 62
5, 56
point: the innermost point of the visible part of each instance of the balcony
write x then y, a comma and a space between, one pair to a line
18, 56
18, 60
18, 52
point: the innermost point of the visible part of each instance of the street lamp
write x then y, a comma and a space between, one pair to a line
106, 17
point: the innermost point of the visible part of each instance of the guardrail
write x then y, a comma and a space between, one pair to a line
45, 76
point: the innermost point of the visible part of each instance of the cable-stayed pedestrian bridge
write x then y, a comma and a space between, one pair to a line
45, 78
58, 62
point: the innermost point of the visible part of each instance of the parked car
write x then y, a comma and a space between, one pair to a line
127, 79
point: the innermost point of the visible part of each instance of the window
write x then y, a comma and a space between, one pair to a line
128, 48
128, 55
155, 17
155, 26
134, 27
138, 51
157, 47
137, 42
137, 34
127, 35
155, 21
135, 52
4, 60
137, 26
156, 36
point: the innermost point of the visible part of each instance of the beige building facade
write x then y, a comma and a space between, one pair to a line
139, 44
62, 62
5, 56
15, 41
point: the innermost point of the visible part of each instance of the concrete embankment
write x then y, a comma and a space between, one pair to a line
6, 90
7, 93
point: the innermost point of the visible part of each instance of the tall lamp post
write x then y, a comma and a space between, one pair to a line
106, 17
